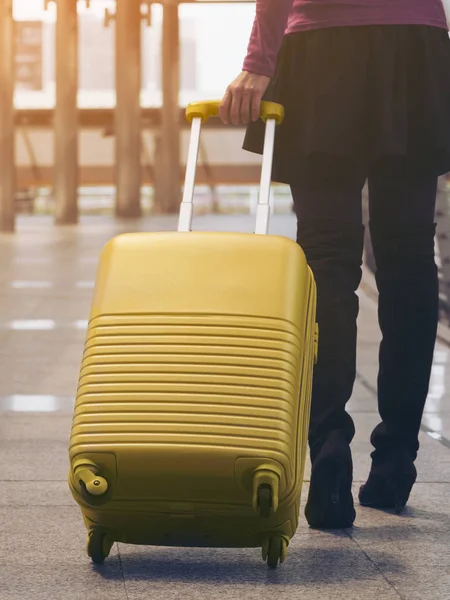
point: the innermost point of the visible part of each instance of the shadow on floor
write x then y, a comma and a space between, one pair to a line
306, 565
412, 522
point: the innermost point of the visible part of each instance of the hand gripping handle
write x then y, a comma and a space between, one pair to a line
210, 108
198, 113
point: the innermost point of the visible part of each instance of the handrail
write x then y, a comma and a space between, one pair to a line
103, 118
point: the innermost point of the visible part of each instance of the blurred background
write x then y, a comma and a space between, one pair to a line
93, 143
112, 80
92, 112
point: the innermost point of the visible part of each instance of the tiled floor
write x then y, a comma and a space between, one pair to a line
46, 277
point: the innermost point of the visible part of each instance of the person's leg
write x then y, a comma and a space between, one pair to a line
327, 200
402, 207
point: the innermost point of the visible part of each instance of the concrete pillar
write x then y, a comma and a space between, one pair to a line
66, 113
167, 166
7, 166
128, 109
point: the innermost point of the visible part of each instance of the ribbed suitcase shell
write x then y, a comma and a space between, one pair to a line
197, 370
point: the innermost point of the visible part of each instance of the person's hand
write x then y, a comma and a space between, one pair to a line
242, 100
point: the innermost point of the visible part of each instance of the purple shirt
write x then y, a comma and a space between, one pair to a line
275, 18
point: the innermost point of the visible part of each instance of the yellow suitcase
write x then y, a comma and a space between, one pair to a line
192, 412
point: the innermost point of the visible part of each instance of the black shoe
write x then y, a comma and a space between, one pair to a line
389, 484
330, 501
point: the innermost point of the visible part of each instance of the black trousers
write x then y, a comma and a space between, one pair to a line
330, 187
328, 204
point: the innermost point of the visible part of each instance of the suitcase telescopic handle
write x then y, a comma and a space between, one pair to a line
199, 112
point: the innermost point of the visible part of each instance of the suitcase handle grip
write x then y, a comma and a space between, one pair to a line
210, 108
198, 112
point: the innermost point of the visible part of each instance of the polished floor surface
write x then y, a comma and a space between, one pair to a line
46, 280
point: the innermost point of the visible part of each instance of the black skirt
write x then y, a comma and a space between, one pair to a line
362, 93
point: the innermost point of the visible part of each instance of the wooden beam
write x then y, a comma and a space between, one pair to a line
7, 169
128, 110
98, 118
65, 115
218, 174
167, 155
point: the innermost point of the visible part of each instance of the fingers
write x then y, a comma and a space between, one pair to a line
246, 102
242, 100
256, 106
239, 106
236, 102
224, 109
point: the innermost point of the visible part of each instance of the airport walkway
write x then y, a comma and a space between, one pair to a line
46, 280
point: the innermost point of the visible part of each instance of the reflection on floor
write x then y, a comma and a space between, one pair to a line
46, 279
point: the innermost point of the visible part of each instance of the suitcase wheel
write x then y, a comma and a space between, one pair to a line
275, 551
266, 482
265, 500
98, 546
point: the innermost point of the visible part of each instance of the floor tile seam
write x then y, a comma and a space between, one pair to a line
15, 507
37, 414
377, 568
307, 480
122, 572
62, 414
33, 480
